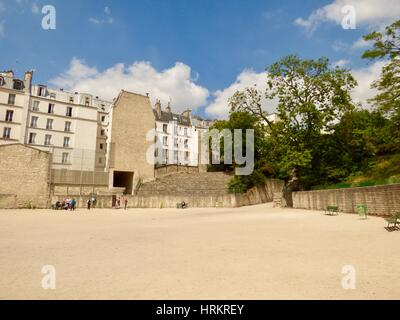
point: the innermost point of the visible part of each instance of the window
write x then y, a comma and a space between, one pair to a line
102, 132
165, 155
87, 101
18, 85
65, 157
100, 160
51, 108
165, 141
66, 142
9, 115
69, 112
71, 99
34, 121
186, 143
35, 106
42, 91
1, 81
186, 155
47, 140
101, 146
67, 127
32, 137
7, 133
49, 124
185, 131
165, 128
103, 118
52, 95
11, 99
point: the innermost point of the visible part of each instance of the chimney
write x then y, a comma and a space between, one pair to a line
28, 76
158, 108
168, 108
187, 113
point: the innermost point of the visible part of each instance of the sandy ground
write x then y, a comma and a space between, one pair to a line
255, 252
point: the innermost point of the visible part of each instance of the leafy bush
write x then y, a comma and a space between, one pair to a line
236, 185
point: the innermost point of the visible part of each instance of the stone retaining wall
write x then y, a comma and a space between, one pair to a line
380, 200
254, 196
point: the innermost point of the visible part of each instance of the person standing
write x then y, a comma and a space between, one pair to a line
73, 204
89, 203
125, 203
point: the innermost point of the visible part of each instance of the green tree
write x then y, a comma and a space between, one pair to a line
244, 121
387, 46
311, 97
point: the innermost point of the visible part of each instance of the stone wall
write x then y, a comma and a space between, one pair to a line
380, 200
254, 196
24, 177
262, 194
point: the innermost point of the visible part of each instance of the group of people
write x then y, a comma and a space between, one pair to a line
70, 204
67, 204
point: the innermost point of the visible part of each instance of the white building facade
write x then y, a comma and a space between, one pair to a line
14, 104
72, 126
176, 138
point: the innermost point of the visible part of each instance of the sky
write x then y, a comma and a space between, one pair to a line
193, 53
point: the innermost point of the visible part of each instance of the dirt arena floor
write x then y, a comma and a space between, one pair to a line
257, 252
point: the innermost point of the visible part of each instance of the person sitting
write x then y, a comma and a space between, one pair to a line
57, 205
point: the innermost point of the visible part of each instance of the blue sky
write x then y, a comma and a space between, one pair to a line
214, 40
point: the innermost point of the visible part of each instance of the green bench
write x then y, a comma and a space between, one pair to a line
394, 220
332, 210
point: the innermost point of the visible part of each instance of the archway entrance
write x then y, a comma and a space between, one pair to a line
123, 179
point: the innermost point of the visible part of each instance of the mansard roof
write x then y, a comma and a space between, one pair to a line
170, 116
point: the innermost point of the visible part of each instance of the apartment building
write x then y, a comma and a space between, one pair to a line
14, 101
176, 137
72, 126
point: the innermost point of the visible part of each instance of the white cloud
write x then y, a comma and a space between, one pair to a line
365, 77
341, 63
174, 84
248, 78
373, 13
361, 43
106, 19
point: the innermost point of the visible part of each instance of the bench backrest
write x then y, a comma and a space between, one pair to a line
332, 208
